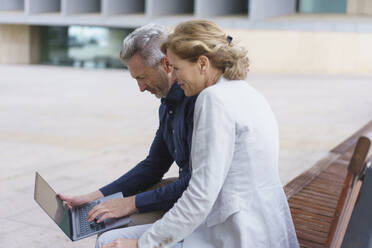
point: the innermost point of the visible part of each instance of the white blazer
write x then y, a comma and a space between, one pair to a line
234, 198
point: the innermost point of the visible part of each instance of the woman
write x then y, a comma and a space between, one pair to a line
234, 198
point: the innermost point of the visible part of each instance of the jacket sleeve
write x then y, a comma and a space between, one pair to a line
211, 156
145, 174
162, 198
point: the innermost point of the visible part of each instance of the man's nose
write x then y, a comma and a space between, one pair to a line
142, 86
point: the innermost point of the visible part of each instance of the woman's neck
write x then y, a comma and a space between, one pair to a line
214, 75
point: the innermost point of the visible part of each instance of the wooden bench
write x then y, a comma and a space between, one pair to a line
322, 198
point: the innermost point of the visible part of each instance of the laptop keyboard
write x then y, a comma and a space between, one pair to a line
85, 226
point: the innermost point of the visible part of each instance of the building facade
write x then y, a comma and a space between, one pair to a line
282, 36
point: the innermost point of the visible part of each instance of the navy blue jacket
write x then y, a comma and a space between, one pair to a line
172, 142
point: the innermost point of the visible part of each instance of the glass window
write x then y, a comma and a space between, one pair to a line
322, 6
82, 46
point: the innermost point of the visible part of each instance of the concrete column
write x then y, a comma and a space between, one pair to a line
42, 6
19, 44
12, 4
34, 45
114, 7
70, 7
261, 9
169, 7
205, 8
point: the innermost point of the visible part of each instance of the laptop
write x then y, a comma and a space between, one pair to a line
73, 222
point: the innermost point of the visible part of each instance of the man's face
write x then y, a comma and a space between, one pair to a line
152, 79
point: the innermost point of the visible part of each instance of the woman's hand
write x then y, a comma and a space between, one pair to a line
122, 243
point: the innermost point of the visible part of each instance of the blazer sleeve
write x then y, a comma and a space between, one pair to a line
211, 156
144, 175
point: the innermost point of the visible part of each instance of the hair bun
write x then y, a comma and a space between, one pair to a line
192, 39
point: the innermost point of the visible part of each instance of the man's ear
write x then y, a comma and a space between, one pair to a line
203, 63
166, 64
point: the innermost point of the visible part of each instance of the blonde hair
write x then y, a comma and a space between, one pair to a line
192, 39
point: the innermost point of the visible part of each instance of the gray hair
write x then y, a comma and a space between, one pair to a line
145, 41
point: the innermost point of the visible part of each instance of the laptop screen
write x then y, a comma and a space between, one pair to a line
52, 205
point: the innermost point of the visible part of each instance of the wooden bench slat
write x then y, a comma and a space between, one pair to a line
309, 244
321, 200
309, 203
320, 189
310, 215
306, 225
313, 222
318, 234
327, 182
319, 194
304, 234
312, 209
313, 200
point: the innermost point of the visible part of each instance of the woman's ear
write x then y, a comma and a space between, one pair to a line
203, 63
166, 64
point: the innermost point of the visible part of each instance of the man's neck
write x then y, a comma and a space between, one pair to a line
171, 83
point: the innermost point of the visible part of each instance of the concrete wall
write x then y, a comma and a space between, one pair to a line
359, 7
261, 9
299, 52
19, 44
12, 4
42, 6
70, 7
173, 7
114, 7
206, 8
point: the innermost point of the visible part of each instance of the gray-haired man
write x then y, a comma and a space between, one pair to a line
172, 142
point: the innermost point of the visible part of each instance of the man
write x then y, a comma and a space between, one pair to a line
172, 142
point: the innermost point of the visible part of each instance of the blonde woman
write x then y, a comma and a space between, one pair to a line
234, 198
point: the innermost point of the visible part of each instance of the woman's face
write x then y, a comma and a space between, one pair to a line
188, 74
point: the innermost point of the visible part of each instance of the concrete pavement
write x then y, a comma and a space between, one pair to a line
83, 128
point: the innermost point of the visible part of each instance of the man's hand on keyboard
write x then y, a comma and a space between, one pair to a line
114, 208
74, 201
